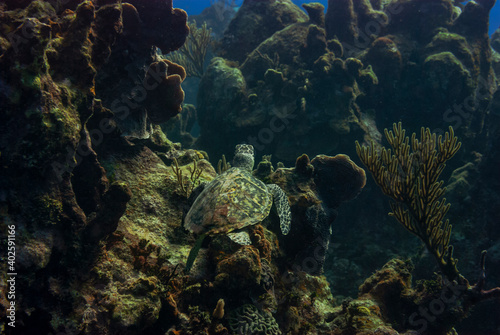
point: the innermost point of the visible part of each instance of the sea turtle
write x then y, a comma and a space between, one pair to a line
234, 200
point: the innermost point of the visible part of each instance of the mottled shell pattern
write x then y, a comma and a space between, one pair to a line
233, 200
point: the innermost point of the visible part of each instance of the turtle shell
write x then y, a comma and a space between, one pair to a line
231, 201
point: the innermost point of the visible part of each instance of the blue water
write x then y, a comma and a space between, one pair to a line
495, 18
194, 7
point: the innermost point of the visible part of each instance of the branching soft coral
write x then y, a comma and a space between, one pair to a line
193, 53
409, 174
411, 179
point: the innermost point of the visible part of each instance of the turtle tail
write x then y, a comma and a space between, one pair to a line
194, 252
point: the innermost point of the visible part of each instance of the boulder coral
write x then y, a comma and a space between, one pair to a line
247, 319
256, 21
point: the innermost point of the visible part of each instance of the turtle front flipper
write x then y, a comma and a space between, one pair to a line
240, 237
281, 202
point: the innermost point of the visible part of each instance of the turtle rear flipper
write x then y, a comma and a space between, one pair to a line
240, 237
194, 252
280, 200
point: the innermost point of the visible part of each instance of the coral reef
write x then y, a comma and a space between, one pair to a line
217, 16
420, 59
388, 303
343, 19
94, 192
212, 104
447, 54
180, 126
316, 189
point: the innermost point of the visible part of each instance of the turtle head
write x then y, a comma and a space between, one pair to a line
243, 157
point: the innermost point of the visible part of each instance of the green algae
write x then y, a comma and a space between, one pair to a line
367, 74
446, 58
47, 210
64, 121
31, 80
38, 9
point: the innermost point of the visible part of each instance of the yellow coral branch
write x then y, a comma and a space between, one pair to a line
193, 52
223, 166
187, 184
411, 179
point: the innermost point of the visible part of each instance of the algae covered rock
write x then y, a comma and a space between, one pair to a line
99, 195
460, 181
278, 49
222, 101
345, 16
495, 40
385, 59
456, 44
419, 19
222, 89
241, 269
444, 73
254, 22
316, 12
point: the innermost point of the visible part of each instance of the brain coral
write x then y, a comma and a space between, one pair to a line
248, 320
